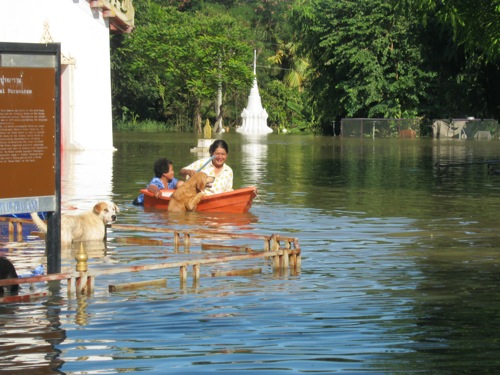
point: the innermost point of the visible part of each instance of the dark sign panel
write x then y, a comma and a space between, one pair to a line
30, 123
28, 102
27, 131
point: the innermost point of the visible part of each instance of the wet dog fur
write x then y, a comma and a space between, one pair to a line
187, 197
87, 226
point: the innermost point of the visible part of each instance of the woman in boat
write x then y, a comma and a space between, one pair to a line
164, 179
217, 168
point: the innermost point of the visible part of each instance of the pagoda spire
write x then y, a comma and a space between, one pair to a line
254, 116
255, 63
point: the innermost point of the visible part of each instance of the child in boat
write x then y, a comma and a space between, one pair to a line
164, 179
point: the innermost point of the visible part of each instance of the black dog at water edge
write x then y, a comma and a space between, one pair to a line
8, 271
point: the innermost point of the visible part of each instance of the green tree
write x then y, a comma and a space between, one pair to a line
461, 39
330, 58
475, 24
294, 66
181, 58
364, 57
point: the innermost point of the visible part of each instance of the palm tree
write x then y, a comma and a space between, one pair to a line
293, 66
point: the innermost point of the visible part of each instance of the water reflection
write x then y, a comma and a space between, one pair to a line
399, 271
30, 333
93, 249
211, 220
86, 174
254, 160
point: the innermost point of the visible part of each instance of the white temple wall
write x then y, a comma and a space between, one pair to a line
86, 78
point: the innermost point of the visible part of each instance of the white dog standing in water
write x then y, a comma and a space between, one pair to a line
87, 226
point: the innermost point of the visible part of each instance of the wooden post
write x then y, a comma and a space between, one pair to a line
19, 231
285, 259
183, 274
293, 261
196, 271
90, 283
137, 285
276, 262
81, 282
208, 246
274, 246
244, 272
176, 239
11, 231
267, 244
71, 285
297, 255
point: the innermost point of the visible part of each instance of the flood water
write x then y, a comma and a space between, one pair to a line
400, 265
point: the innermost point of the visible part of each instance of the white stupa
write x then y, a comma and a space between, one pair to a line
254, 116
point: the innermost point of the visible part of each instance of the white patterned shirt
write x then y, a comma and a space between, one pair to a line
223, 182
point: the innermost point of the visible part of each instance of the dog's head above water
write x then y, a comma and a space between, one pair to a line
203, 181
107, 211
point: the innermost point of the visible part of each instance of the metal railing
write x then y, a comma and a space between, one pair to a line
379, 127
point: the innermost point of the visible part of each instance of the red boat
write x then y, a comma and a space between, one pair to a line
236, 201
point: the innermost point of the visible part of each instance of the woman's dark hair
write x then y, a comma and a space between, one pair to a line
162, 166
218, 143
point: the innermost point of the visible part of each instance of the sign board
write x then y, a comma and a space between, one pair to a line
28, 127
30, 123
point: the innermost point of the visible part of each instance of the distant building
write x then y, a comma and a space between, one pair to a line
254, 116
82, 27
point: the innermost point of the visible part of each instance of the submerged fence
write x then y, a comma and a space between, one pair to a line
283, 252
378, 127
469, 128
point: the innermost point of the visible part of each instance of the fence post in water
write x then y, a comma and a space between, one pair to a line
176, 240
81, 258
183, 274
266, 244
285, 260
71, 285
298, 263
11, 231
287, 254
274, 246
298, 257
196, 271
19, 231
293, 261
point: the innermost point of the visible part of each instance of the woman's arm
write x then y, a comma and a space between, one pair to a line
190, 170
155, 186
184, 172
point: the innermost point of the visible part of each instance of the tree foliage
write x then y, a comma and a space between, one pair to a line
475, 24
181, 58
317, 60
364, 58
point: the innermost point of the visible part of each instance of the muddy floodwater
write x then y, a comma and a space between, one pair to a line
400, 265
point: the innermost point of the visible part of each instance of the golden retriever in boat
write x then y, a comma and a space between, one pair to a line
187, 197
87, 226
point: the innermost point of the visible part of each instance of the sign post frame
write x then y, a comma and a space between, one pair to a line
30, 136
